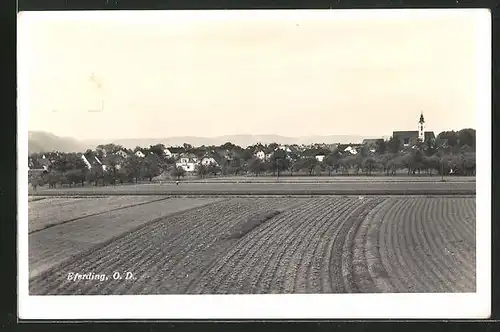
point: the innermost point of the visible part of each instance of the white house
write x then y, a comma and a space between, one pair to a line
122, 153
168, 153
351, 150
284, 148
320, 157
260, 154
206, 161
99, 162
187, 164
140, 154
86, 162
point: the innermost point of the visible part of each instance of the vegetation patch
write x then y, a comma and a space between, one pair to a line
251, 223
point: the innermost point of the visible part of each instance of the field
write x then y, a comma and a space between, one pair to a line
286, 186
260, 244
54, 210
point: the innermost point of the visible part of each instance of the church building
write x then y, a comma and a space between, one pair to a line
410, 138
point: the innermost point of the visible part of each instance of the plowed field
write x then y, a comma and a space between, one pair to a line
324, 244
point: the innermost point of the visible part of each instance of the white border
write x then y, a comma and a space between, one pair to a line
347, 306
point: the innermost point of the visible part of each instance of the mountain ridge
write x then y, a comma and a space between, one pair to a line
39, 141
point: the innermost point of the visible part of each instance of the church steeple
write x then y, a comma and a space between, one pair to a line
421, 128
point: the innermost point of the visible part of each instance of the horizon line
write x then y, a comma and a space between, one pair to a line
226, 135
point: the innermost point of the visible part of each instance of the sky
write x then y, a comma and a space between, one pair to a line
105, 75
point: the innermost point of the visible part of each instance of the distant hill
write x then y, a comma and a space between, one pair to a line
241, 140
39, 141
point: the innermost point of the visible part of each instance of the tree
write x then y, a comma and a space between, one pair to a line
310, 164
256, 166
381, 147
108, 149
384, 162
158, 150
97, 174
332, 161
430, 147
112, 162
293, 158
177, 172
467, 137
279, 161
53, 178
75, 176
36, 181
132, 167
432, 163
228, 146
213, 169
450, 137
363, 152
417, 161
393, 145
346, 163
150, 167
469, 163
246, 154
201, 170
235, 165
67, 161
448, 163
369, 164
317, 169
407, 161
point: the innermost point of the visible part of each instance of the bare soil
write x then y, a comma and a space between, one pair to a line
50, 211
332, 244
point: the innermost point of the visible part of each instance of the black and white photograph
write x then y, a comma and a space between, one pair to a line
254, 164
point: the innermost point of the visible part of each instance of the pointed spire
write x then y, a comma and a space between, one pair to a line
421, 117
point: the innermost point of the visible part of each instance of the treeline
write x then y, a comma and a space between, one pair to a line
450, 153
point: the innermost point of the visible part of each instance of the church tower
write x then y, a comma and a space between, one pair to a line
421, 128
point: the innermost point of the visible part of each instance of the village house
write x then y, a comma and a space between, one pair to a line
100, 163
45, 164
122, 154
207, 161
348, 148
372, 143
187, 164
38, 167
175, 151
87, 163
284, 148
168, 153
412, 137
183, 160
320, 157
140, 154
260, 155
